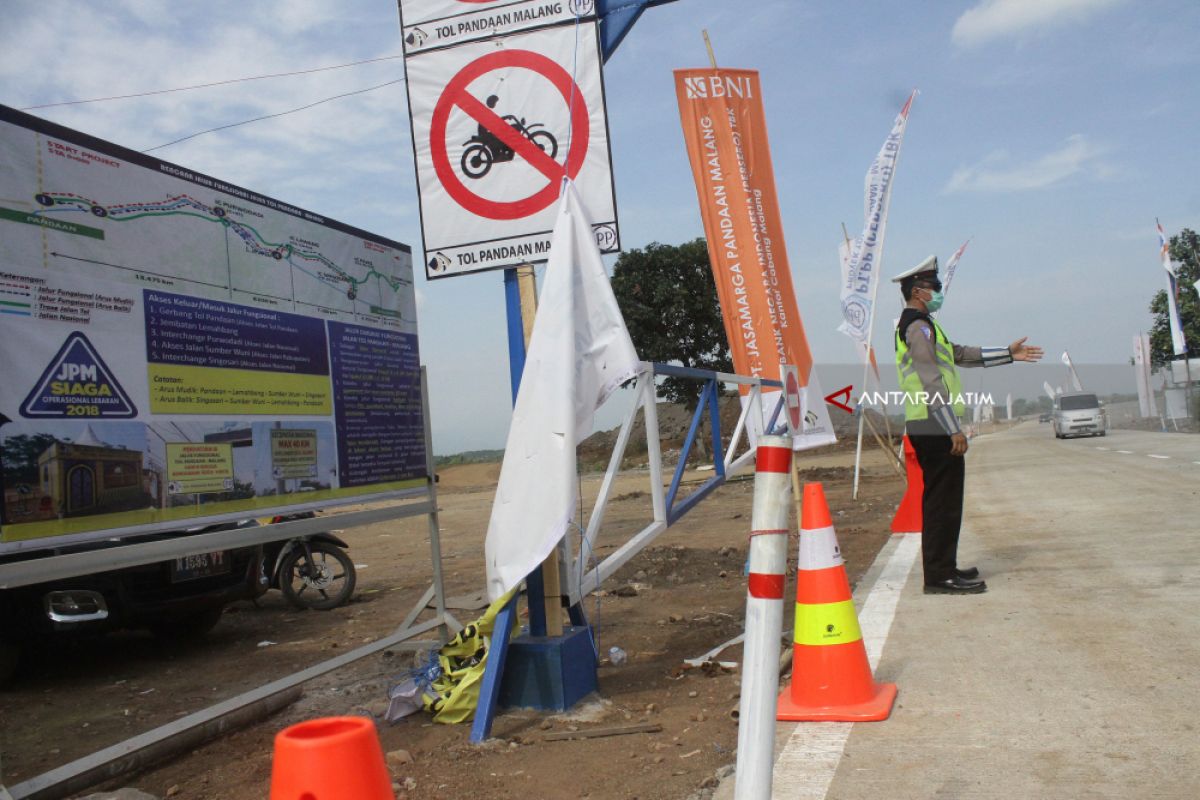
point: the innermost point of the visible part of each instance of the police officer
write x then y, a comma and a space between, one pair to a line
927, 363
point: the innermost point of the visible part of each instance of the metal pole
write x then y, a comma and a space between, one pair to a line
764, 618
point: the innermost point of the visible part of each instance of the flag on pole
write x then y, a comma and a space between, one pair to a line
1049, 390
952, 265
1178, 342
1008, 407
866, 252
1147, 404
1074, 375
579, 352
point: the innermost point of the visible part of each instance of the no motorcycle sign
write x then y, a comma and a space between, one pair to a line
496, 126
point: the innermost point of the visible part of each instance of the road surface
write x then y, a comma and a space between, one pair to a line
1076, 676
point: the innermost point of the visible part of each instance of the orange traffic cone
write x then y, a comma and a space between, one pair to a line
831, 678
908, 515
335, 758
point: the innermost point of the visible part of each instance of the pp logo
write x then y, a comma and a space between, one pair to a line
854, 311
581, 8
606, 237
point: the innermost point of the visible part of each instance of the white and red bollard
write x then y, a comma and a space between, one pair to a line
764, 618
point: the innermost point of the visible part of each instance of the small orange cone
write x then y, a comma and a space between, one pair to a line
908, 515
335, 758
831, 677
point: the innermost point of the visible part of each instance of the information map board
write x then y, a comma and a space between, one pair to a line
178, 349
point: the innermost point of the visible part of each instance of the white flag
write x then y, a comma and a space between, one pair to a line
952, 265
866, 253
1008, 407
1074, 375
1049, 390
578, 354
860, 345
1178, 342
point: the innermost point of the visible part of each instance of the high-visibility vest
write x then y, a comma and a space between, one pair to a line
916, 406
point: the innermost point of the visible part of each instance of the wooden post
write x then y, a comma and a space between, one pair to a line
712, 59
551, 580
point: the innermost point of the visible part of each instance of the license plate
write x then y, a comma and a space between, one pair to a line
201, 565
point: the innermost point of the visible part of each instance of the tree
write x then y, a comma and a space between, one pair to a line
21, 457
1185, 252
669, 300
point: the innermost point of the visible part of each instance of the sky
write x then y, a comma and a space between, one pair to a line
1051, 132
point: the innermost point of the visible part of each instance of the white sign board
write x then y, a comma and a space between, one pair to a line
495, 125
163, 332
431, 24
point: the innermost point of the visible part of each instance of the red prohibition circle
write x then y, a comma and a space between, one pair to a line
455, 94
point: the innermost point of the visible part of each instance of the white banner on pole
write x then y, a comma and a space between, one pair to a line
1066, 358
496, 124
1147, 405
866, 252
952, 264
1178, 341
1008, 407
580, 351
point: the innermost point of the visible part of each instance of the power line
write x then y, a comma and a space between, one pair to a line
270, 116
214, 83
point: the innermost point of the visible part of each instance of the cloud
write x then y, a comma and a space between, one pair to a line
998, 19
997, 173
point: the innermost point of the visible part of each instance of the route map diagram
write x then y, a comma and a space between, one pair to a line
90, 212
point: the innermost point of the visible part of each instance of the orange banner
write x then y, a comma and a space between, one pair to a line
726, 134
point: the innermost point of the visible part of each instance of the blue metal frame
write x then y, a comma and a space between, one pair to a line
708, 402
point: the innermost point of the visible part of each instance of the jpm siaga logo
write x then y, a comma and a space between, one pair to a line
78, 383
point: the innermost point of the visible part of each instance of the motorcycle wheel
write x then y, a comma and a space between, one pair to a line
476, 161
545, 141
324, 581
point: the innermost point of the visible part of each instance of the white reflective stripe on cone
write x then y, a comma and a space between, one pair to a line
819, 549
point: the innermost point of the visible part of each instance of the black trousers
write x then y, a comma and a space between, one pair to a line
941, 503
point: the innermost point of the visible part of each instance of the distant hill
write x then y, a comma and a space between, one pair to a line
469, 457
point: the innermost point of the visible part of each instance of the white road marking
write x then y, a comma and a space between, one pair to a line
1098, 447
1154, 456
810, 757
1126, 452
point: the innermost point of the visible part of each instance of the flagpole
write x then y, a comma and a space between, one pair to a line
887, 204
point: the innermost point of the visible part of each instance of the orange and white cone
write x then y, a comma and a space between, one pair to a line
908, 515
831, 677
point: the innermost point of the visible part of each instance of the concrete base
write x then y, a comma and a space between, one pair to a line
549, 673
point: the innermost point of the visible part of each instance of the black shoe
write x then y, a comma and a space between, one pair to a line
956, 585
970, 573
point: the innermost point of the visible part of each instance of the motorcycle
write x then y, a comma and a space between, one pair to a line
485, 148
312, 571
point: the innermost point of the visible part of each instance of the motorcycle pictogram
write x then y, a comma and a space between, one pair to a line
485, 148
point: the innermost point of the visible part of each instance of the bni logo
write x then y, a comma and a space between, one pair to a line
706, 86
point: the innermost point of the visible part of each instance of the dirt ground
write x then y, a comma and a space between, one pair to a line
682, 596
